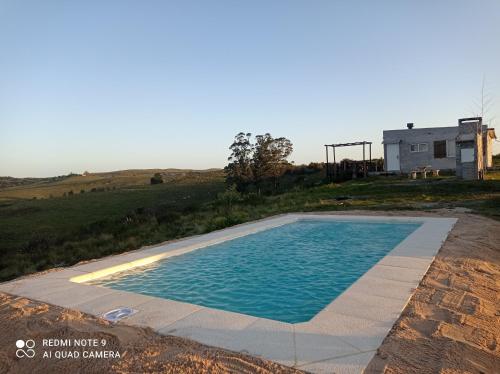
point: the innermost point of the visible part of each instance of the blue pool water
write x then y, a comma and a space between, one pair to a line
288, 273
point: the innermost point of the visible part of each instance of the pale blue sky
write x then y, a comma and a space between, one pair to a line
107, 85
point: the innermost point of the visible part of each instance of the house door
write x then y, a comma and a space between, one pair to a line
393, 157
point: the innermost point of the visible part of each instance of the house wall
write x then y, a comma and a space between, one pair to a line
470, 137
411, 160
488, 146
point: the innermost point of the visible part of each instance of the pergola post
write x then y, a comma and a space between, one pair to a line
365, 174
370, 148
327, 171
334, 164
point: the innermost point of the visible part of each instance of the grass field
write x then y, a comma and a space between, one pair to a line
43, 188
42, 233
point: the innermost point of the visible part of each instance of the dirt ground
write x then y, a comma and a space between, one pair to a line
451, 324
141, 350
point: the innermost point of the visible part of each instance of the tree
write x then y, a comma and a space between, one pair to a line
255, 163
270, 157
483, 107
157, 179
239, 170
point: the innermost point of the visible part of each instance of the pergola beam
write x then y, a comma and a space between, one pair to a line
346, 144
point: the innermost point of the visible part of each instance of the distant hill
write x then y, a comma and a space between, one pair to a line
29, 188
6, 182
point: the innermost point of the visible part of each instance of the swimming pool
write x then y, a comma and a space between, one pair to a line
342, 337
287, 273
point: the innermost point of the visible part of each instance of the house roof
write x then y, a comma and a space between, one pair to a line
419, 129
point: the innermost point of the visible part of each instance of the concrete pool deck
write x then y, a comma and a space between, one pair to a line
343, 337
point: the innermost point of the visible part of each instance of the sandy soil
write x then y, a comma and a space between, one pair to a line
141, 350
451, 324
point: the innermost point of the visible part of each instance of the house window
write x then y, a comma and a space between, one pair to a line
467, 154
440, 149
418, 147
450, 148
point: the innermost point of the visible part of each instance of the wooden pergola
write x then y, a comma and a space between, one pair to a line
333, 146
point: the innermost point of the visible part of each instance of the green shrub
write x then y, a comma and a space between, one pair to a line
157, 179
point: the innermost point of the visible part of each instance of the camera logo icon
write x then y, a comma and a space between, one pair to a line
25, 348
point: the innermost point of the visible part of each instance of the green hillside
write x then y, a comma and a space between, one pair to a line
43, 188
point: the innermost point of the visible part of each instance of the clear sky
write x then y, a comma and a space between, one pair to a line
108, 85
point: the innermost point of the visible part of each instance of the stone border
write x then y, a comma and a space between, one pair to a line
343, 337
